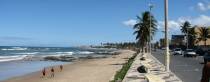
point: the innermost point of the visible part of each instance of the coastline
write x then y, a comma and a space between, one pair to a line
88, 70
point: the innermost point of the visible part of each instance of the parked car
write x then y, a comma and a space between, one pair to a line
163, 48
177, 51
206, 56
189, 53
200, 52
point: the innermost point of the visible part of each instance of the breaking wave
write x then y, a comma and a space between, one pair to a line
12, 58
39, 55
13, 48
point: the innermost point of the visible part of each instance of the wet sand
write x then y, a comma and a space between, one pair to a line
90, 70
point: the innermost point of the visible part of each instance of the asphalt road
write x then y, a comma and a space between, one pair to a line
187, 69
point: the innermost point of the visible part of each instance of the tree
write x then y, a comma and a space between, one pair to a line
156, 45
192, 36
185, 26
185, 29
142, 28
203, 34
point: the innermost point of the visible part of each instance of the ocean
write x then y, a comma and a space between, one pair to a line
17, 61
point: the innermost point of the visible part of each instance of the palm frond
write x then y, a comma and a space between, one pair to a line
142, 28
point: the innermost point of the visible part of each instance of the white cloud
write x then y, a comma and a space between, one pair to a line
203, 6
171, 24
130, 22
202, 20
174, 25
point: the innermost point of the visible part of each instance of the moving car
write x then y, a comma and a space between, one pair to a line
206, 56
177, 51
189, 53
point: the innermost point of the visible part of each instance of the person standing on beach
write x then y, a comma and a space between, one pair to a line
61, 67
43, 72
52, 72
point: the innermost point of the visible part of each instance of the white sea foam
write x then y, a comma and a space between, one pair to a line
14, 48
85, 52
34, 55
64, 53
60, 54
69, 53
12, 58
30, 53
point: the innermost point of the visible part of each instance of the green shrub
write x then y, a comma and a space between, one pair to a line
119, 76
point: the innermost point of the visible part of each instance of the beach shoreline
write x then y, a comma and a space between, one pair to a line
85, 70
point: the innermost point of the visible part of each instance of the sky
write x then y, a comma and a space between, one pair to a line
89, 22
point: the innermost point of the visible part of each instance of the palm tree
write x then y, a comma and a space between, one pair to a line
204, 34
156, 45
192, 36
185, 26
142, 28
184, 29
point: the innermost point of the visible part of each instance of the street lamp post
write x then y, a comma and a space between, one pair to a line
187, 39
150, 25
167, 56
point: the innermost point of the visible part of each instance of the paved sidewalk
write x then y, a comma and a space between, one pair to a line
155, 71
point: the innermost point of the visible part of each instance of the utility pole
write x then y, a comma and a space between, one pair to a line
187, 39
150, 25
167, 55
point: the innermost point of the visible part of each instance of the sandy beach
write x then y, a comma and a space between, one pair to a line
91, 70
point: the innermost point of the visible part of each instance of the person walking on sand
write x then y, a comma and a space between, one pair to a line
61, 67
206, 72
52, 72
43, 72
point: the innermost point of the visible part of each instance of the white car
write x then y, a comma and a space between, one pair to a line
177, 51
190, 53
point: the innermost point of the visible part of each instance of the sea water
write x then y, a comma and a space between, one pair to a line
12, 61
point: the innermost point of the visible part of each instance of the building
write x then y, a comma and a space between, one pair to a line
201, 43
178, 40
162, 42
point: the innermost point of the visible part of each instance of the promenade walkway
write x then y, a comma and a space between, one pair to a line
155, 71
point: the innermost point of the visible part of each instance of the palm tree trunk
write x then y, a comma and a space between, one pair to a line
193, 43
147, 47
205, 44
142, 51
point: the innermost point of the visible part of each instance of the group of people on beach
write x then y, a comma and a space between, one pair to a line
52, 71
